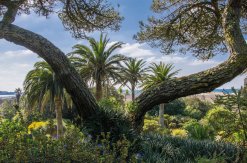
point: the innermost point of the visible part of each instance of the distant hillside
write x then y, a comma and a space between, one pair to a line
224, 90
6, 93
138, 92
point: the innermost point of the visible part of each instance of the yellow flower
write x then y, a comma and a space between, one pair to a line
179, 132
36, 125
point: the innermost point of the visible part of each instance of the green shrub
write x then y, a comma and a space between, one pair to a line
130, 107
220, 119
198, 104
35, 115
110, 120
176, 121
198, 131
226, 125
16, 145
110, 103
175, 107
152, 125
192, 112
7, 109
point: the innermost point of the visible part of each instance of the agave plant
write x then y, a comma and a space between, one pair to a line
175, 149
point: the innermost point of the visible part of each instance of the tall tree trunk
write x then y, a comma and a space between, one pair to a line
84, 101
98, 90
58, 108
107, 89
161, 115
133, 92
204, 81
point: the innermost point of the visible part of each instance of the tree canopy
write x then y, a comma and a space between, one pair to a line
98, 64
77, 16
192, 26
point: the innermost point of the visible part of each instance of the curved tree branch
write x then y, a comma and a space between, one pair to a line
80, 94
205, 81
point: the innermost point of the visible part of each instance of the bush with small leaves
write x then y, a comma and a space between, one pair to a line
110, 103
198, 131
152, 125
7, 109
16, 145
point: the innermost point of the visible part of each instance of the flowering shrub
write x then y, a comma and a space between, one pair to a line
179, 133
36, 126
17, 145
152, 125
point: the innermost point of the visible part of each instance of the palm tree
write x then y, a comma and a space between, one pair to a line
159, 73
41, 87
133, 73
97, 64
18, 93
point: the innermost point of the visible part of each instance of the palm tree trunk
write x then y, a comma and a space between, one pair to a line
98, 90
58, 108
133, 92
161, 115
107, 89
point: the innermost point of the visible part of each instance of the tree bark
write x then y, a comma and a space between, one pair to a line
98, 90
80, 94
161, 115
204, 81
58, 109
133, 92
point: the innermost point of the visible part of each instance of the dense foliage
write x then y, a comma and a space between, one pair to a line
18, 144
110, 130
158, 148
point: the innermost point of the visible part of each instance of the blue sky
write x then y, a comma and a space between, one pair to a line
16, 61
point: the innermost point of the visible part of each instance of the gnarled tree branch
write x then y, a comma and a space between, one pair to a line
203, 81
80, 94
12, 8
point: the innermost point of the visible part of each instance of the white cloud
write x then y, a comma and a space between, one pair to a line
136, 50
14, 65
200, 62
110, 44
167, 59
16, 54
